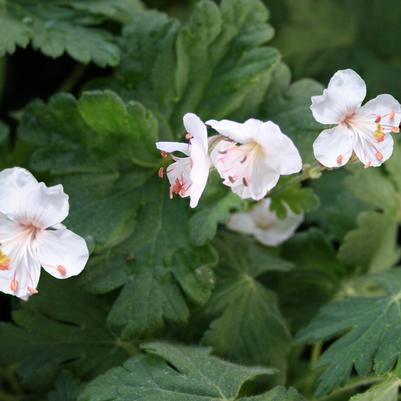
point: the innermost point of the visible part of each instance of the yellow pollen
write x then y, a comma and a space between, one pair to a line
4, 261
379, 134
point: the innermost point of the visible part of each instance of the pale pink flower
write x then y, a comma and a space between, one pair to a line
363, 130
188, 175
31, 234
264, 224
253, 155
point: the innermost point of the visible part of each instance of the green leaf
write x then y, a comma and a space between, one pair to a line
338, 208
384, 391
178, 373
131, 123
241, 304
287, 104
373, 245
56, 29
217, 65
291, 193
60, 327
66, 388
369, 331
315, 279
204, 222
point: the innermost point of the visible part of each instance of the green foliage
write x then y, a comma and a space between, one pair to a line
179, 373
66, 388
369, 331
385, 391
242, 305
61, 26
59, 328
289, 192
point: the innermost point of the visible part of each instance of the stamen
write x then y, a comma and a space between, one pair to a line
395, 130
244, 159
339, 159
160, 173
4, 261
378, 119
223, 152
164, 154
14, 285
62, 270
379, 156
245, 182
379, 134
4, 266
368, 164
391, 115
231, 179
32, 290
188, 136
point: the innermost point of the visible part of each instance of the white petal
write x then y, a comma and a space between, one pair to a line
23, 273
333, 147
62, 248
199, 172
281, 153
343, 96
385, 106
13, 181
171, 147
244, 169
237, 132
197, 128
372, 153
242, 222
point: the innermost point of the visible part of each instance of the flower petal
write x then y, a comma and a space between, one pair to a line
199, 172
333, 147
197, 129
343, 96
237, 132
244, 169
242, 222
22, 275
280, 152
171, 147
385, 106
372, 153
280, 230
13, 181
62, 253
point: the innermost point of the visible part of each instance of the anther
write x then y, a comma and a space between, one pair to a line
164, 154
244, 159
395, 130
14, 285
231, 179
391, 115
368, 164
378, 119
4, 266
223, 152
62, 270
339, 159
379, 156
32, 290
245, 182
188, 136
160, 173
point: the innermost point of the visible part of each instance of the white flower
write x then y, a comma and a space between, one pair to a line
31, 235
253, 156
365, 130
264, 224
188, 175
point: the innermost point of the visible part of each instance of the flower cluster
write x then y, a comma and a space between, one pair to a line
250, 157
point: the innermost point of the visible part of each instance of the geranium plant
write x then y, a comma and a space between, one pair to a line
221, 231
